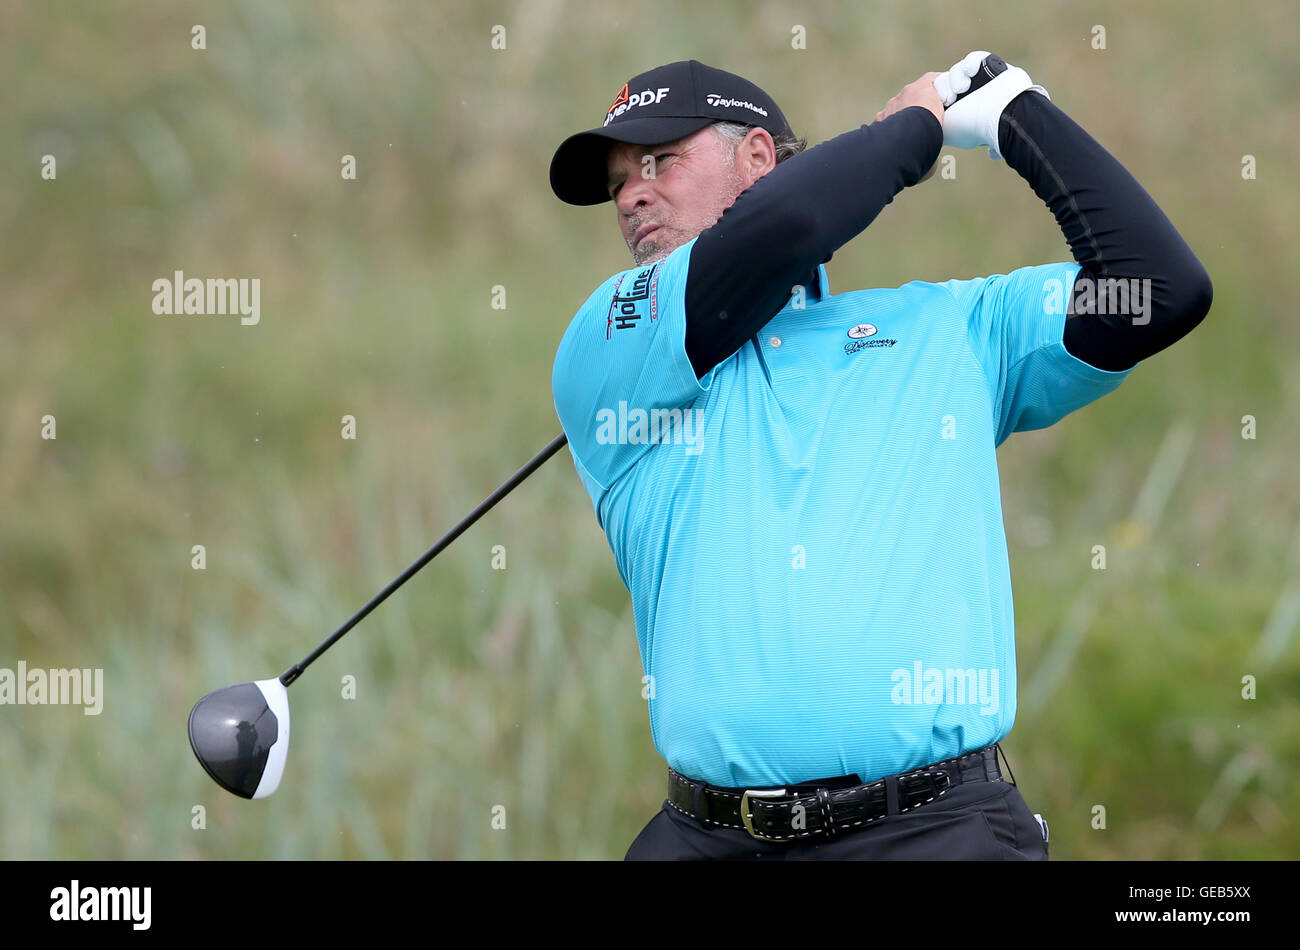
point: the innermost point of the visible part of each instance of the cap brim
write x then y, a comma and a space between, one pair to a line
579, 174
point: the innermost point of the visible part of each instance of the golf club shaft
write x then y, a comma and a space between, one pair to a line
293, 672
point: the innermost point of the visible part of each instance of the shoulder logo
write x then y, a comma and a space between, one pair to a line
635, 300
862, 330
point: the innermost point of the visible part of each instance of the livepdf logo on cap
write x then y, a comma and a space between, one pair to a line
622, 102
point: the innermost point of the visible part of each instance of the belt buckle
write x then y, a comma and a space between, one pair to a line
747, 819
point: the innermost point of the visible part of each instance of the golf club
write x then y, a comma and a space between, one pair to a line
240, 734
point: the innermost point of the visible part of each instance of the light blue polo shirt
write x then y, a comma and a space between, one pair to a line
812, 534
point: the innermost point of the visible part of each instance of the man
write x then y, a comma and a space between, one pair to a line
800, 489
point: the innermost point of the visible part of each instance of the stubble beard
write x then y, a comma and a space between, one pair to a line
652, 253
653, 249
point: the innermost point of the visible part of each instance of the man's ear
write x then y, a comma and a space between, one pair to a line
755, 155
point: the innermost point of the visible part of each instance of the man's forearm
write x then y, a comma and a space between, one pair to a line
1114, 229
791, 220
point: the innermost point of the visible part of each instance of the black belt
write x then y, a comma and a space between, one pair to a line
827, 807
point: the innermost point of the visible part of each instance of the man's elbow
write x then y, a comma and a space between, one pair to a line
1189, 296
1194, 297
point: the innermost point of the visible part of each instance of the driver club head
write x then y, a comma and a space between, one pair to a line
240, 735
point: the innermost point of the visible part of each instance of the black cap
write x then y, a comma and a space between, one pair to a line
662, 105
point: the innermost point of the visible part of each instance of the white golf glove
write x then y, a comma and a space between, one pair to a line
970, 119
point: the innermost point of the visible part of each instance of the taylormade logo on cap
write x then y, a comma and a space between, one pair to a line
622, 102
718, 101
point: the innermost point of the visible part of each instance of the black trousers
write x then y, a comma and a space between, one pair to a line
979, 821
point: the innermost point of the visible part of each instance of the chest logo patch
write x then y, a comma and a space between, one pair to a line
860, 338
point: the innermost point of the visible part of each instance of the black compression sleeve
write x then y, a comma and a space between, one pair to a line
743, 268
1115, 230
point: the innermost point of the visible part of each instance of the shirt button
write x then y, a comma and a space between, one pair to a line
775, 341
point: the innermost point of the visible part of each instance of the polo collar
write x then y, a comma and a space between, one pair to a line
821, 288
823, 283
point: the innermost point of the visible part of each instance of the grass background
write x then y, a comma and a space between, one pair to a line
478, 687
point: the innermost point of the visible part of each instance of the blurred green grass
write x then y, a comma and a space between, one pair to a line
521, 688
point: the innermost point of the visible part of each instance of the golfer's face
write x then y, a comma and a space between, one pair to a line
667, 194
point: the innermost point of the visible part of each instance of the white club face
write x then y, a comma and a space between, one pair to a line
277, 700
